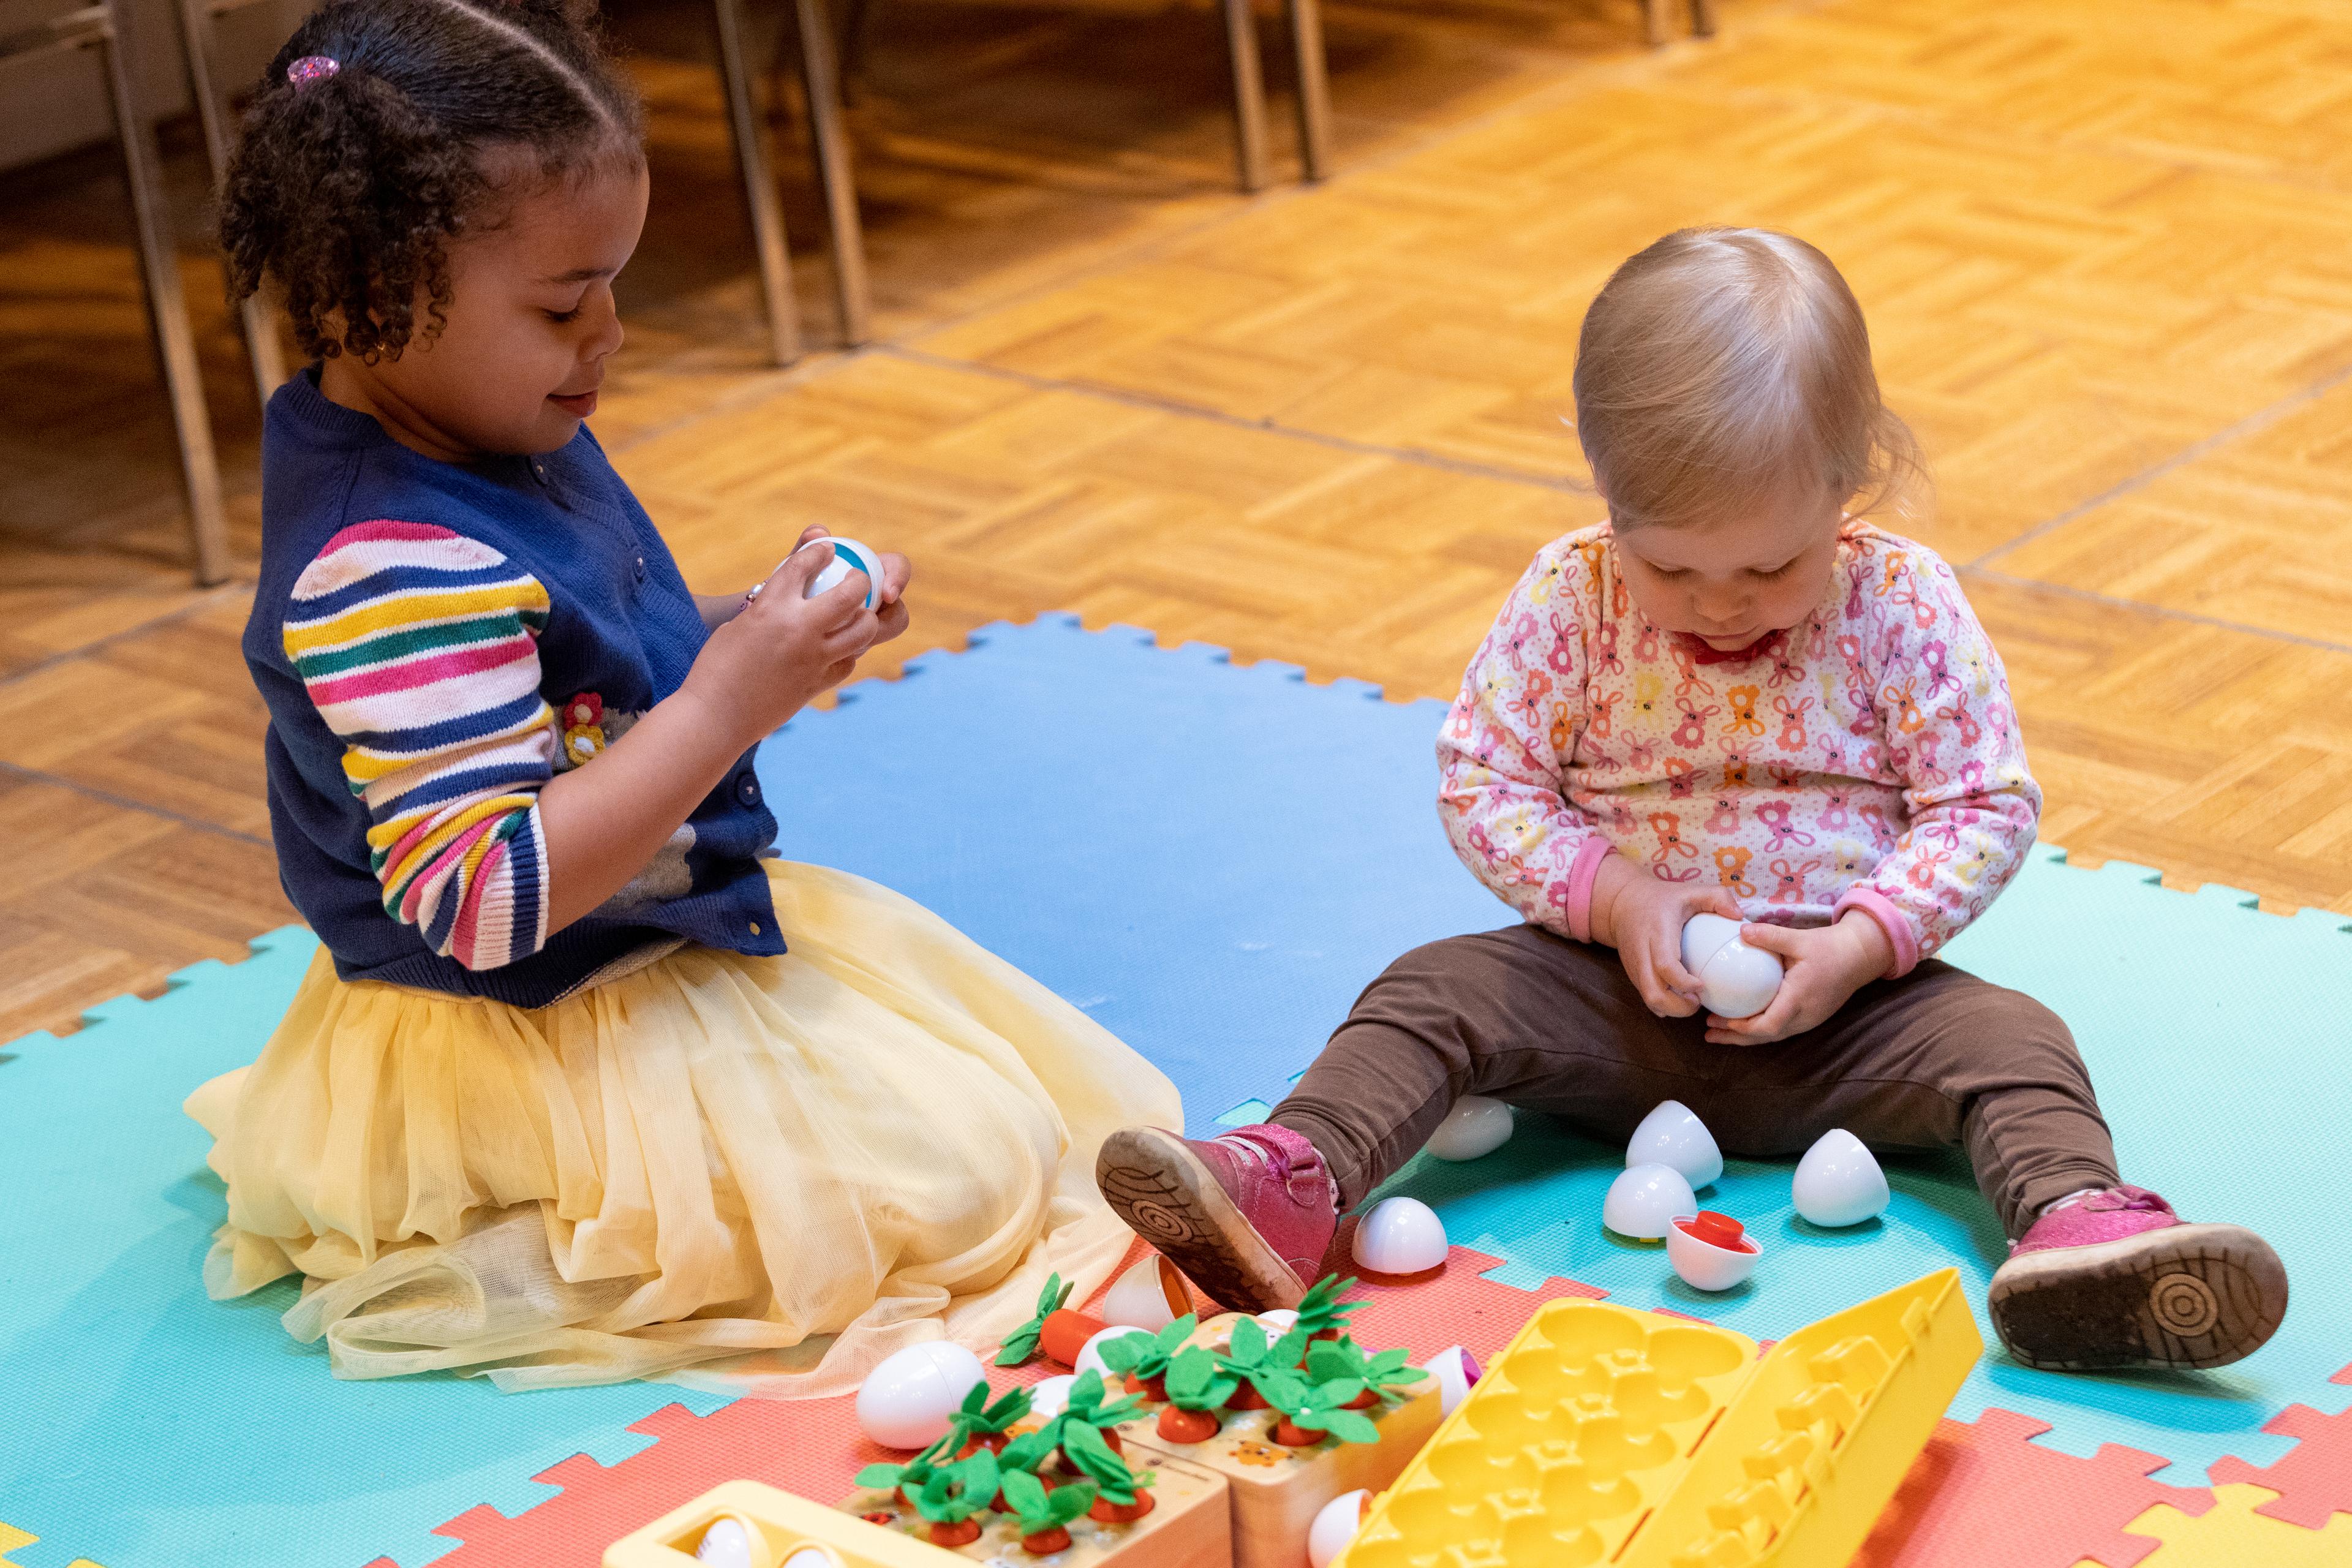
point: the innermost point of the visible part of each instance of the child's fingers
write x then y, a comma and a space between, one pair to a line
896, 573
813, 532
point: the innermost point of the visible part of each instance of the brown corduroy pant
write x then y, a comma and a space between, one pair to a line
1934, 1059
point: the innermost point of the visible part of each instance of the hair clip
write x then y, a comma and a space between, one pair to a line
309, 69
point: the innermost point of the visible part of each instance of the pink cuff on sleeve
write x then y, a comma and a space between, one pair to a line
1582, 872
1890, 920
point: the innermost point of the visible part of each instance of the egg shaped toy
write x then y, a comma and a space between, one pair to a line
1838, 1182
1735, 980
1711, 1251
811, 1557
905, 1402
1090, 1354
1279, 1321
1401, 1236
1672, 1134
1049, 1396
727, 1543
1476, 1125
1644, 1200
849, 556
1334, 1525
1456, 1371
1151, 1295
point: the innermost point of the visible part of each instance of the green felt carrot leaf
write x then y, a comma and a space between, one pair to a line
977, 1417
911, 1475
1022, 1343
1142, 1356
1331, 1359
961, 1490
1040, 1511
1113, 1478
1195, 1382
1247, 1354
1321, 1309
1322, 1407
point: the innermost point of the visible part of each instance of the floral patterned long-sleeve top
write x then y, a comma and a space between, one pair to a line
1866, 758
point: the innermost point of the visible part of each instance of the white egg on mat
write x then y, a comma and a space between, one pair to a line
905, 1402
1672, 1134
1456, 1373
1090, 1354
1644, 1200
849, 556
725, 1545
1838, 1182
1735, 980
1401, 1236
1151, 1295
1711, 1259
1334, 1525
1049, 1396
1476, 1125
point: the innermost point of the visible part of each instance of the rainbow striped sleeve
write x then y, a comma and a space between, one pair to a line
420, 647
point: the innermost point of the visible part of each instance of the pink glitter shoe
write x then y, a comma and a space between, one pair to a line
2117, 1280
1246, 1217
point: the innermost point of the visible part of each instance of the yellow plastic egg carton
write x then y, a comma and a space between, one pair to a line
1603, 1435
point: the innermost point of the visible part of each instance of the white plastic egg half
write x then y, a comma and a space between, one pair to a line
1401, 1236
1702, 1265
1643, 1202
811, 1557
1735, 980
849, 556
1455, 1372
1476, 1125
1150, 1295
1838, 1182
1279, 1321
726, 1544
906, 1401
1090, 1354
1673, 1134
1334, 1525
1049, 1396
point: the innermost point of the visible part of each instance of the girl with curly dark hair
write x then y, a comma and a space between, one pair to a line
581, 1086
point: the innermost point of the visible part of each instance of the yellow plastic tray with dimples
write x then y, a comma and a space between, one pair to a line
785, 1531
1603, 1435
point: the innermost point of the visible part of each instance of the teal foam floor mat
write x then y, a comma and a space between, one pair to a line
1212, 860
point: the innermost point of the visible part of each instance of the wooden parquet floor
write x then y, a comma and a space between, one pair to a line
2106, 255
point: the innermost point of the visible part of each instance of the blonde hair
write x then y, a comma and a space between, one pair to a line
1724, 366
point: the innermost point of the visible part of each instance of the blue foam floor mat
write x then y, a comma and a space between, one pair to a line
1212, 860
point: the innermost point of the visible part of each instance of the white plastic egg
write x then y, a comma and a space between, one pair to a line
906, 1401
1334, 1525
1401, 1236
1150, 1295
1672, 1134
1279, 1321
1838, 1182
1735, 980
811, 1557
726, 1544
1476, 1125
1455, 1372
1049, 1396
849, 556
1090, 1354
1702, 1264
1643, 1202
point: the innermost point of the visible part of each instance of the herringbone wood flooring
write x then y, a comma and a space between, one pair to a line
2107, 258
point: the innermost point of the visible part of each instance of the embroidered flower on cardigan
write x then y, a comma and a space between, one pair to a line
583, 729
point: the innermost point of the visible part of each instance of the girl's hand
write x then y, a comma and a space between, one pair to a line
718, 609
1643, 918
781, 650
1824, 967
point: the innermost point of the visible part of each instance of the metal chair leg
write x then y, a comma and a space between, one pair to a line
759, 187
831, 144
1703, 18
1314, 87
261, 325
1653, 22
1249, 93
167, 314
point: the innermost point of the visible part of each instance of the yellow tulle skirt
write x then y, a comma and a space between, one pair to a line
760, 1175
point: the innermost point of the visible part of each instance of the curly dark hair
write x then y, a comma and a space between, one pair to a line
348, 186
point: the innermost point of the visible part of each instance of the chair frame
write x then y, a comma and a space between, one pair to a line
102, 26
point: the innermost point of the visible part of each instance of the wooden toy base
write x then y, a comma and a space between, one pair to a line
1277, 1491
1190, 1526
